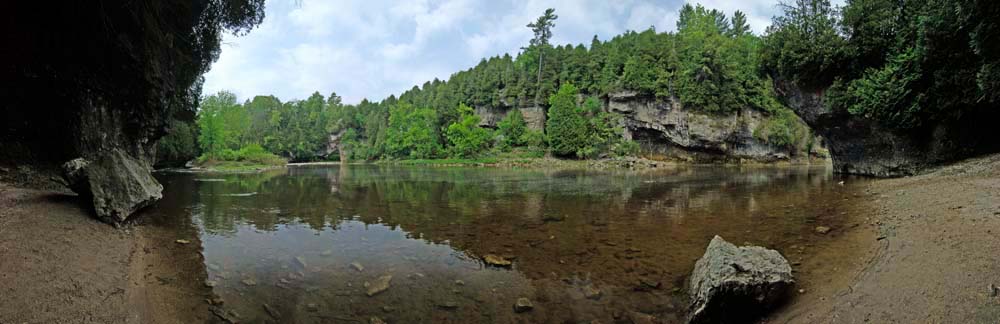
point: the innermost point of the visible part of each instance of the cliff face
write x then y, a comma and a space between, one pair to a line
666, 130
862, 146
89, 88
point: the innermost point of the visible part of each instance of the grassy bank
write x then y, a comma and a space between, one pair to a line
248, 159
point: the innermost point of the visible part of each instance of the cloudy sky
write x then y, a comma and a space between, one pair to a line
374, 48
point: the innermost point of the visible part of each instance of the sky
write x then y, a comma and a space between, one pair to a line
376, 48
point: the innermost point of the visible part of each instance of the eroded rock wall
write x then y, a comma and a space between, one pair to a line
862, 146
99, 81
666, 130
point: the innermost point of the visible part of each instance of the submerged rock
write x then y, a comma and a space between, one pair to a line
736, 284
591, 293
357, 266
118, 184
379, 285
496, 260
375, 320
523, 305
448, 305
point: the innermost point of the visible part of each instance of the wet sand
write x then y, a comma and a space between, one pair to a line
931, 247
59, 265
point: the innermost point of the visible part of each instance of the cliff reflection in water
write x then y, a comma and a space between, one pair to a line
585, 245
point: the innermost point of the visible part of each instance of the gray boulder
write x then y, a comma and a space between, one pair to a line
733, 284
118, 184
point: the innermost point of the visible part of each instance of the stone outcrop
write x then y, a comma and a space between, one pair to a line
534, 116
862, 146
100, 82
117, 183
733, 284
664, 128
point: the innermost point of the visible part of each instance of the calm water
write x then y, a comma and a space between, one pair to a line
585, 245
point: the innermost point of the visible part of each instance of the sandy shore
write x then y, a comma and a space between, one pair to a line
59, 265
930, 247
922, 249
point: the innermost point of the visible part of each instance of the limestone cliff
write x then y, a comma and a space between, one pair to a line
862, 146
667, 130
96, 83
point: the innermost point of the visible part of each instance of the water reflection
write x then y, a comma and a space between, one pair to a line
312, 242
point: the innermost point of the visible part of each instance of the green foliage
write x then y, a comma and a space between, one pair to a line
512, 129
625, 148
784, 129
583, 131
215, 134
906, 64
465, 138
803, 44
566, 128
180, 145
412, 132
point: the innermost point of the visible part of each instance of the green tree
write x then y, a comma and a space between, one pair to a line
465, 137
803, 43
566, 127
542, 28
412, 132
512, 128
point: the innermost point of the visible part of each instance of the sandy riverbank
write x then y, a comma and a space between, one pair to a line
59, 265
931, 250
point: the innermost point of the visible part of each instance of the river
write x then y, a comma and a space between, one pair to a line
313, 244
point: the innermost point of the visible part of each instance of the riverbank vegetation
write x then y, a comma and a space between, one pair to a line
906, 64
712, 64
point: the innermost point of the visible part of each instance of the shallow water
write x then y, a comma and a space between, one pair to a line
585, 245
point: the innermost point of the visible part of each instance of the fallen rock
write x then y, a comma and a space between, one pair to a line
591, 293
271, 311
449, 305
822, 229
118, 184
379, 285
523, 305
496, 260
737, 284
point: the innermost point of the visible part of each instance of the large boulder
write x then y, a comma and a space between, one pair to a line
118, 184
733, 284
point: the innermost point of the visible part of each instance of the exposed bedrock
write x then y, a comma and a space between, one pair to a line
98, 82
862, 146
666, 130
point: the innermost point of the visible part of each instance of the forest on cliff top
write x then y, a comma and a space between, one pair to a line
906, 64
